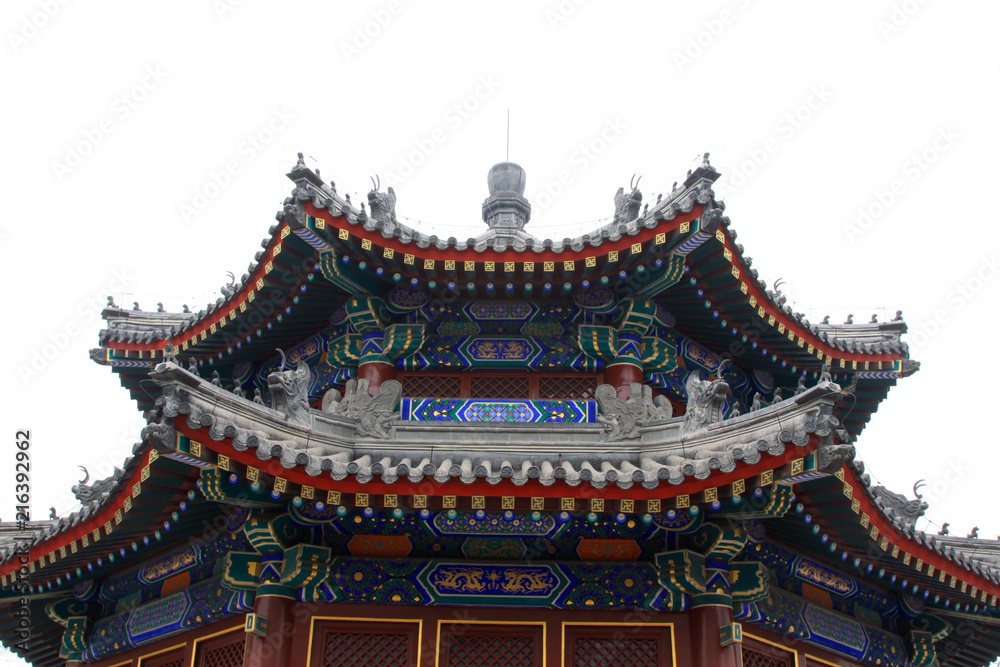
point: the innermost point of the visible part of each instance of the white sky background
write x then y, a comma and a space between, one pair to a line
200, 78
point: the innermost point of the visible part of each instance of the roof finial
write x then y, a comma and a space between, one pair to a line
506, 211
301, 164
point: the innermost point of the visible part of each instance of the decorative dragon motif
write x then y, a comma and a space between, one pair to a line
99, 490
488, 580
229, 289
898, 507
382, 204
831, 458
460, 579
705, 400
521, 582
290, 391
374, 414
622, 419
627, 205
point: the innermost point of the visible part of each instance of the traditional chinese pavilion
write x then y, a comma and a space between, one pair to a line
386, 448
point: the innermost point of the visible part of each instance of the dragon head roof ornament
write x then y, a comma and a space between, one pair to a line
290, 391
898, 507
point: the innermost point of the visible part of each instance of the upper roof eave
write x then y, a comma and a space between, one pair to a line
148, 331
324, 201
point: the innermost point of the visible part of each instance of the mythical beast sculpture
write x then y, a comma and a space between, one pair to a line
99, 490
290, 391
382, 204
622, 419
898, 507
374, 414
627, 205
705, 400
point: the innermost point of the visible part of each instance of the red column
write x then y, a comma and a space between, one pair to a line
706, 645
620, 376
376, 373
274, 648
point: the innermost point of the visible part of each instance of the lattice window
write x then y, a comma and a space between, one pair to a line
624, 652
432, 386
500, 387
756, 656
362, 649
491, 651
228, 655
170, 659
579, 388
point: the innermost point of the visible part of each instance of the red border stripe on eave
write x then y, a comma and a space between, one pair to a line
929, 557
753, 290
230, 304
73, 534
490, 255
